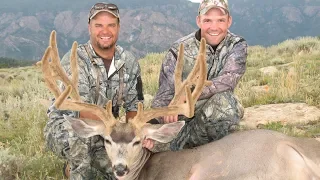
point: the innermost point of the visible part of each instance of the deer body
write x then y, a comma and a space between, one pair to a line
256, 154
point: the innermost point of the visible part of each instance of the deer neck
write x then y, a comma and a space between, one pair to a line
138, 164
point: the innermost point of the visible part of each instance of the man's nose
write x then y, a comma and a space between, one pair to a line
214, 25
105, 29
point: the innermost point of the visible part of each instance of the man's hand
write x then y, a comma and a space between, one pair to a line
148, 143
174, 118
170, 119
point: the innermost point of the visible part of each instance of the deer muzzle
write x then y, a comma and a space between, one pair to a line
120, 170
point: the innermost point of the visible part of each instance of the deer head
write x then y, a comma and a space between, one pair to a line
123, 141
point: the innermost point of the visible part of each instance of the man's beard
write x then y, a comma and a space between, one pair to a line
105, 47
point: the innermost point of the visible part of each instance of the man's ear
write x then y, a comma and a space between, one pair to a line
229, 21
89, 29
163, 132
198, 20
86, 128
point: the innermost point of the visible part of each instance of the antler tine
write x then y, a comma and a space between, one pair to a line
178, 73
197, 76
201, 79
105, 115
47, 73
57, 70
53, 71
194, 76
74, 70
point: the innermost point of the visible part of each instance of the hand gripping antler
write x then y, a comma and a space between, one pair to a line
197, 77
53, 71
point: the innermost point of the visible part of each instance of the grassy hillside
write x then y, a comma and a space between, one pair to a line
22, 117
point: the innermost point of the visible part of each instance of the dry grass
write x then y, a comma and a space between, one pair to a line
22, 119
297, 79
150, 66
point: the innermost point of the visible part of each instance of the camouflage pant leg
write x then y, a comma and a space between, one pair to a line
100, 159
213, 120
86, 156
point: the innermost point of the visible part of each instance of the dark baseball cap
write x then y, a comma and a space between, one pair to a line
104, 7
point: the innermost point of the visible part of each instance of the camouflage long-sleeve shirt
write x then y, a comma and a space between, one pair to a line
109, 84
226, 65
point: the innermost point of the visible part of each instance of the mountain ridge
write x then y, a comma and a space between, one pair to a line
147, 26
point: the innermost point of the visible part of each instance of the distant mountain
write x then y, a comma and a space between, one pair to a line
147, 26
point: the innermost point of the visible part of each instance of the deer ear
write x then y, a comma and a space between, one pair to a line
86, 128
163, 133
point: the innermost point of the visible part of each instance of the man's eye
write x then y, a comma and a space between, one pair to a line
107, 141
136, 143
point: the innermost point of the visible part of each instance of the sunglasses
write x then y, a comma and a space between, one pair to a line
99, 6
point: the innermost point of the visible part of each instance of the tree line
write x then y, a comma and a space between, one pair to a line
6, 62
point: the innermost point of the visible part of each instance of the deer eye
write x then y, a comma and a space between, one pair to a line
107, 141
136, 143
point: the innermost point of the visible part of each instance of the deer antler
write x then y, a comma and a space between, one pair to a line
197, 77
53, 71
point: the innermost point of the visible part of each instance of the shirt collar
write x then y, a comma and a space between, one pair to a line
221, 44
116, 63
112, 68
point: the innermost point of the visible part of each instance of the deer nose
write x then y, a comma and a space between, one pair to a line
120, 170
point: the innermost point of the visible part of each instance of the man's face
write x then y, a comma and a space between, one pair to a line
104, 30
214, 26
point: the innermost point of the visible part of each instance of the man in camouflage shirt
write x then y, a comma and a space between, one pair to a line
106, 72
217, 111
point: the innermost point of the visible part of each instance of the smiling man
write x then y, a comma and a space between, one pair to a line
218, 111
106, 72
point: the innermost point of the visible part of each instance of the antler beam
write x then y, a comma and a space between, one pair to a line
197, 77
54, 72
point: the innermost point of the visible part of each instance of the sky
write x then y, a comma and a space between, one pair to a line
195, 1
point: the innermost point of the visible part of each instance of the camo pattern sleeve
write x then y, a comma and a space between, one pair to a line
133, 91
166, 81
233, 68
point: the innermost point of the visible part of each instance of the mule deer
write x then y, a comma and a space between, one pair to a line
256, 154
